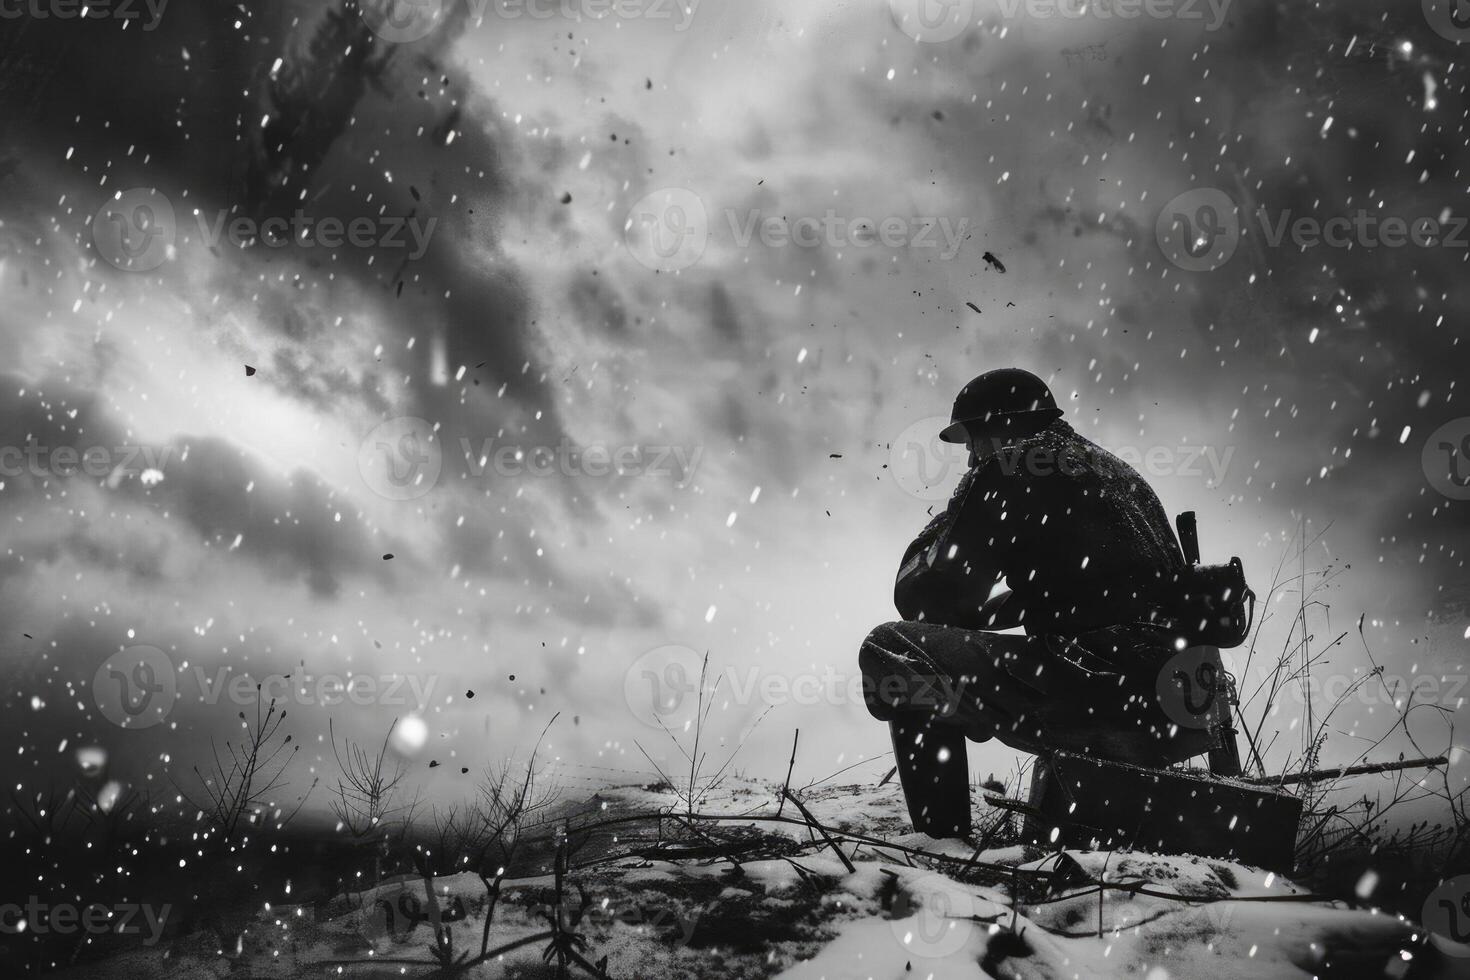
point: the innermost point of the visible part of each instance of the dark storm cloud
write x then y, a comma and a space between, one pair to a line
335, 127
288, 525
393, 132
61, 441
598, 306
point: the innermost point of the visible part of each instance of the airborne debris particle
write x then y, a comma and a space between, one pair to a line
994, 262
249, 371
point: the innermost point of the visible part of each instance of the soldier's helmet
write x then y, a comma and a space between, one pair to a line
1000, 401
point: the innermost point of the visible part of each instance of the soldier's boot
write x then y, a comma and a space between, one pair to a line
934, 770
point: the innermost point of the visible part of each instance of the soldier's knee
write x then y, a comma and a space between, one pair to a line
884, 637
882, 669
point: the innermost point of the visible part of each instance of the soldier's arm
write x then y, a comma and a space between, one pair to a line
944, 576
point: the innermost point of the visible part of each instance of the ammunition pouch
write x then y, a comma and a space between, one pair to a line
1213, 605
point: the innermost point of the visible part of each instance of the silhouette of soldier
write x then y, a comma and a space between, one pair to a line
1095, 577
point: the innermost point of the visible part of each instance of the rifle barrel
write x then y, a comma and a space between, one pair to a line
1322, 775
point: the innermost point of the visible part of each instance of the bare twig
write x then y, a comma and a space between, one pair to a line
812, 822
786, 786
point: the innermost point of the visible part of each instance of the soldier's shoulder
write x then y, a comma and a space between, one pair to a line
1064, 433
1093, 456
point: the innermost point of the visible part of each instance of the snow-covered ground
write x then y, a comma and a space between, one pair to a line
794, 910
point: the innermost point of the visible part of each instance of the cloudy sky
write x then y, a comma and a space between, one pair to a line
735, 250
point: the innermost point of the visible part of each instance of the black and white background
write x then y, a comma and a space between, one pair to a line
626, 326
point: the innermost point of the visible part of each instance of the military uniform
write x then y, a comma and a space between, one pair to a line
1086, 548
